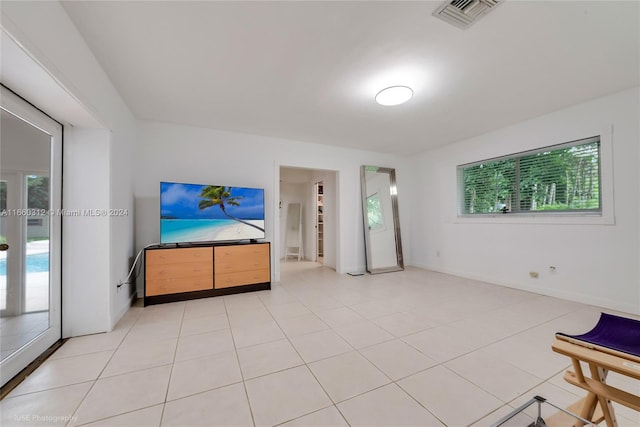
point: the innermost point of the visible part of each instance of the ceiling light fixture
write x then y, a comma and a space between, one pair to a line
394, 95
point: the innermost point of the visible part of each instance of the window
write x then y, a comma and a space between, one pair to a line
559, 178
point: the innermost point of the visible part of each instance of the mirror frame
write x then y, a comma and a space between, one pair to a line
396, 220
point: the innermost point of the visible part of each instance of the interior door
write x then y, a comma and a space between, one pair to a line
30, 233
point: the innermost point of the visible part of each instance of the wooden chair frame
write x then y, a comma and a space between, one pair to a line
596, 406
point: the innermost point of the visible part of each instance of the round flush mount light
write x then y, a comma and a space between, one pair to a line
394, 95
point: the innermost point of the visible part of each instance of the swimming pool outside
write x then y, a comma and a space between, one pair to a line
36, 263
36, 292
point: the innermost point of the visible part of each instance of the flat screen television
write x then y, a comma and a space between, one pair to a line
191, 213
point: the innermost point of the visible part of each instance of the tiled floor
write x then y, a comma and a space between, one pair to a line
411, 348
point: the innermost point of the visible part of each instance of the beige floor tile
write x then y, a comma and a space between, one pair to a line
363, 334
267, 358
328, 417
339, 316
242, 302
300, 325
397, 359
317, 303
133, 357
496, 376
124, 393
257, 334
320, 345
285, 395
536, 358
291, 309
558, 381
224, 407
130, 317
147, 417
204, 307
438, 343
347, 375
90, 344
66, 371
202, 324
206, 373
162, 330
208, 343
482, 330
386, 406
172, 312
49, 407
276, 297
452, 399
377, 308
401, 324
247, 318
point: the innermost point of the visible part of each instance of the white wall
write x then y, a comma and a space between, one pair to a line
168, 152
45, 31
595, 263
121, 226
85, 261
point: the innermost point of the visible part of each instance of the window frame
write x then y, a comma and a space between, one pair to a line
605, 215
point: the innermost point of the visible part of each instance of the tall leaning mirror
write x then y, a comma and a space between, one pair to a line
381, 223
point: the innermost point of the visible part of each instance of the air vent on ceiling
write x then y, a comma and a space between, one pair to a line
463, 13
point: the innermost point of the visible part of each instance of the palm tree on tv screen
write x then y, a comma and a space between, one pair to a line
221, 196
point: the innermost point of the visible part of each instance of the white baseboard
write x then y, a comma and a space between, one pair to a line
570, 296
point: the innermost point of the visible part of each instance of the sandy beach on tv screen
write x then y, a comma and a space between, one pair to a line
240, 231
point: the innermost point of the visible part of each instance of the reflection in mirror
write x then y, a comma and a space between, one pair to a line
293, 233
381, 224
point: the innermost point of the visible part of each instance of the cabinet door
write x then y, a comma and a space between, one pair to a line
178, 256
227, 280
230, 259
175, 285
170, 271
241, 265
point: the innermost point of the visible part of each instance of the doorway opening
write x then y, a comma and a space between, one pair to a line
315, 191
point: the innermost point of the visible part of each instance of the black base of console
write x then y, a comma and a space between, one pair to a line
185, 296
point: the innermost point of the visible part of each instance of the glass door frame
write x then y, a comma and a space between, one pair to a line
21, 358
14, 295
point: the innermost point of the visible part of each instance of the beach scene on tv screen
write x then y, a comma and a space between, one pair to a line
202, 213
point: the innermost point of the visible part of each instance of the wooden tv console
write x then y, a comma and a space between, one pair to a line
182, 272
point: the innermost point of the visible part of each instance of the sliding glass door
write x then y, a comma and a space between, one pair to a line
30, 233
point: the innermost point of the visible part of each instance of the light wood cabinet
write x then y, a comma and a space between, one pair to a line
182, 273
240, 265
171, 271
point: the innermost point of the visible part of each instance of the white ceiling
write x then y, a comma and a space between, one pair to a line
309, 71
